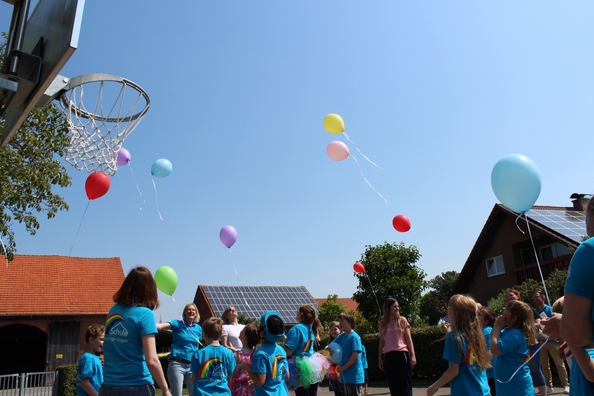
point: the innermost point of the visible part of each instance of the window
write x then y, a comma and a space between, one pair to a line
495, 266
549, 252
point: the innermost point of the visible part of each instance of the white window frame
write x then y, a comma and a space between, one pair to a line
499, 266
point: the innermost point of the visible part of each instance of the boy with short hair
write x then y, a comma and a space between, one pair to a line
350, 367
269, 369
213, 365
90, 370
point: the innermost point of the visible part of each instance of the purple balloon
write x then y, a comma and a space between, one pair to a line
123, 157
228, 235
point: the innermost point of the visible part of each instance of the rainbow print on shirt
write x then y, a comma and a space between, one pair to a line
211, 368
277, 370
470, 359
111, 321
307, 345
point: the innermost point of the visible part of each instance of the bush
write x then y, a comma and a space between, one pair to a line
67, 379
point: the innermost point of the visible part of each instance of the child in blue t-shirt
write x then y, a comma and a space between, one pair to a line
350, 368
90, 369
465, 350
510, 349
213, 365
365, 366
269, 369
486, 318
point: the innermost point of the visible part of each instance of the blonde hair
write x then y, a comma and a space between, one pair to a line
197, 318
466, 326
386, 318
524, 319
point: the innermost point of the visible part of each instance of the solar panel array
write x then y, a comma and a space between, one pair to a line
253, 301
570, 223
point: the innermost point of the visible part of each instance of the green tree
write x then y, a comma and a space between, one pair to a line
434, 303
330, 309
29, 168
390, 271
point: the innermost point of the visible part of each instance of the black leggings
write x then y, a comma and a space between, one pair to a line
398, 372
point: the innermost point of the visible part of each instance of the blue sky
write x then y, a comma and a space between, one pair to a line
435, 93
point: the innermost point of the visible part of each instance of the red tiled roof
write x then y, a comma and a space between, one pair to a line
58, 285
349, 303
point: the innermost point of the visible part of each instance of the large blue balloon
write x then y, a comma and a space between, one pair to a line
516, 182
161, 168
336, 352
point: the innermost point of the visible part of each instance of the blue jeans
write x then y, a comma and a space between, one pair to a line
177, 374
538, 378
140, 390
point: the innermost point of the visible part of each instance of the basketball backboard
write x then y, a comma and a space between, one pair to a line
37, 50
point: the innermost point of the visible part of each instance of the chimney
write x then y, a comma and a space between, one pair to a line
580, 201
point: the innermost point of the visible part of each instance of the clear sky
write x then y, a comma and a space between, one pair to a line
435, 93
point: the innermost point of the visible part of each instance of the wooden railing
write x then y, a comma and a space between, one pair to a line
547, 267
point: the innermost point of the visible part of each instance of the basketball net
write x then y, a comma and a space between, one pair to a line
99, 126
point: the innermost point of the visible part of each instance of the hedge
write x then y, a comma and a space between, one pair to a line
67, 379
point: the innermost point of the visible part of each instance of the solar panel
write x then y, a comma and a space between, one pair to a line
253, 301
570, 223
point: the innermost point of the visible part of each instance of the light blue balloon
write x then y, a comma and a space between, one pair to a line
336, 352
516, 182
161, 168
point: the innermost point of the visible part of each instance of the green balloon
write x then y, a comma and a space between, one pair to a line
166, 279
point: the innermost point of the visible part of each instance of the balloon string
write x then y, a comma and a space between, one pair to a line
526, 362
240, 288
364, 156
157, 202
537, 261
79, 226
517, 225
138, 188
5, 254
418, 246
373, 290
367, 181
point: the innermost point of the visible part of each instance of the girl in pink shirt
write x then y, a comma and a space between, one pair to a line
397, 353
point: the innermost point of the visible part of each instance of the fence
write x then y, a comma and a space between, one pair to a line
29, 384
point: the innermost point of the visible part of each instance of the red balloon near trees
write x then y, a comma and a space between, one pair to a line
359, 268
401, 223
97, 184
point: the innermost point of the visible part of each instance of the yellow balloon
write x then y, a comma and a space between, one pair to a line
334, 123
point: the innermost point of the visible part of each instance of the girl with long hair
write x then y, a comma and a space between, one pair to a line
397, 352
465, 350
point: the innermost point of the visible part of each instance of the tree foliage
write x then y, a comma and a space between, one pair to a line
330, 309
29, 168
554, 284
390, 271
434, 303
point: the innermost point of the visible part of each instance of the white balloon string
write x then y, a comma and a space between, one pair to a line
157, 202
367, 181
517, 225
79, 226
375, 295
4, 250
364, 156
240, 288
537, 262
137, 188
526, 362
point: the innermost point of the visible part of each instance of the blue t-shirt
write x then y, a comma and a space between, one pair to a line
351, 343
212, 365
514, 352
579, 384
185, 339
89, 366
487, 333
125, 363
581, 272
271, 359
547, 309
300, 339
471, 379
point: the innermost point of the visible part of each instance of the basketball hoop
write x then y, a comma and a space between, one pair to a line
99, 127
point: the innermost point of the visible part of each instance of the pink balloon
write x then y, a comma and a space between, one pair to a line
123, 157
337, 150
228, 235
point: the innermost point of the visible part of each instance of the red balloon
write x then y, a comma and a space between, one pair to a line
359, 268
401, 223
97, 184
